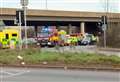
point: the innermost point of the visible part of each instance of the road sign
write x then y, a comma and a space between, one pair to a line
104, 27
24, 2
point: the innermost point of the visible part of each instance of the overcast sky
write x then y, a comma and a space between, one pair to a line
70, 5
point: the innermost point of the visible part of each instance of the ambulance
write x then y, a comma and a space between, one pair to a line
9, 37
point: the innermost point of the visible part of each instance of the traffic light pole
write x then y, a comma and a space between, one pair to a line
105, 27
24, 4
20, 44
26, 46
105, 23
105, 35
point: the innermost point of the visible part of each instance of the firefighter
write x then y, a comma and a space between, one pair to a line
54, 38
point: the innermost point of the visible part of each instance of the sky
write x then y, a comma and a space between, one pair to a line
67, 5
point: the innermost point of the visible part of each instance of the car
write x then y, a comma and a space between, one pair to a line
86, 41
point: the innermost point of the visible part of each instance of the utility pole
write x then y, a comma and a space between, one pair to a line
24, 4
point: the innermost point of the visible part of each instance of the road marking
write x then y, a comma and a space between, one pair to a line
17, 74
7, 73
11, 73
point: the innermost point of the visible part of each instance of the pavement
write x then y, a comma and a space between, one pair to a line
56, 75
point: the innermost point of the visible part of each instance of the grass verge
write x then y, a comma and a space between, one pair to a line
37, 57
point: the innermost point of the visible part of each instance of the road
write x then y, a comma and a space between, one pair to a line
56, 75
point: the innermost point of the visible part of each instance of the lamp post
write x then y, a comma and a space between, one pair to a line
24, 4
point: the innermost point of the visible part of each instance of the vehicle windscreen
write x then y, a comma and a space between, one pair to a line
43, 34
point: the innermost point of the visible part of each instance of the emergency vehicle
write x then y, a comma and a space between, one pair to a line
9, 37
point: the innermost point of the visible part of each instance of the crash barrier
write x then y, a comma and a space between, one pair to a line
110, 49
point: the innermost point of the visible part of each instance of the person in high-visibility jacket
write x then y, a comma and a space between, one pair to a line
73, 40
93, 38
13, 43
54, 38
5, 43
62, 36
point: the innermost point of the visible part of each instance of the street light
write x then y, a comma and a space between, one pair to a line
24, 4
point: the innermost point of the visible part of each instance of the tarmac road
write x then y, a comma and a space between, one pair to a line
56, 75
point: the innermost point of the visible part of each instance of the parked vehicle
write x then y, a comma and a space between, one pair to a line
46, 37
9, 38
88, 39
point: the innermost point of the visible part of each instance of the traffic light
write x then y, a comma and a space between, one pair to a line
104, 19
21, 12
99, 24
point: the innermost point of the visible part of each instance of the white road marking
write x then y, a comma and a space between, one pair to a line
12, 73
9, 73
17, 74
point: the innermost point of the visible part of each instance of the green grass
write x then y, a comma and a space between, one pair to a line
36, 56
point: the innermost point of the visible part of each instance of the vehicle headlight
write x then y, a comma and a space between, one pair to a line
49, 43
38, 43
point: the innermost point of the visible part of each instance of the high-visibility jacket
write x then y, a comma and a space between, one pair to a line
73, 39
54, 38
5, 43
93, 38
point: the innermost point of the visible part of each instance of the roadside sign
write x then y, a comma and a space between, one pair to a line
24, 2
104, 27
